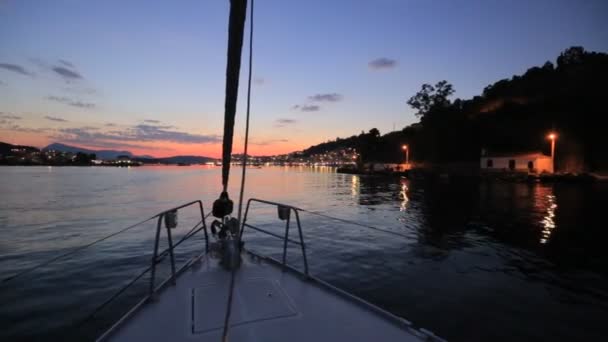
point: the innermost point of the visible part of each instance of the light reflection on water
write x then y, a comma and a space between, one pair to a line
403, 196
548, 221
355, 185
519, 255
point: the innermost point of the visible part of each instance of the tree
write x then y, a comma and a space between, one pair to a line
571, 56
374, 132
430, 98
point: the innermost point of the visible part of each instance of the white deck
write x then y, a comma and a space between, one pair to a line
269, 304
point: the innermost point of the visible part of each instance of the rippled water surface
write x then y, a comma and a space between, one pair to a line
474, 262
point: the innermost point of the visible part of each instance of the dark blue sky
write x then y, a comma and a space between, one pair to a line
165, 60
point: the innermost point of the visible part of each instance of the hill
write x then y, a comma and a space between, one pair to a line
6, 148
101, 154
176, 160
510, 115
113, 154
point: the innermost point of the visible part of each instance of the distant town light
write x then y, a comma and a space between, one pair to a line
404, 147
552, 136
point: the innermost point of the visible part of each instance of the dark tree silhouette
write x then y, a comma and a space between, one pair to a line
571, 56
84, 158
511, 115
374, 132
430, 98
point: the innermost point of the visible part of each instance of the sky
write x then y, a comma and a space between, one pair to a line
149, 76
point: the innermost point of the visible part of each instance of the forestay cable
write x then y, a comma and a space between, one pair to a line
223, 206
246, 144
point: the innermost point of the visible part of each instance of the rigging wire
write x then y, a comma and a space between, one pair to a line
312, 212
82, 247
158, 260
245, 155
73, 251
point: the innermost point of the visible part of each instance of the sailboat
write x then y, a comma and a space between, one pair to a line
229, 293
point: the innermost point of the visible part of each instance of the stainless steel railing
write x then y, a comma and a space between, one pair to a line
156, 258
284, 213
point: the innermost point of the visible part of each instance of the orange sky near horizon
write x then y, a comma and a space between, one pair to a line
151, 79
159, 149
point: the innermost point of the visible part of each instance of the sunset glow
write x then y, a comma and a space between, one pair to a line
89, 75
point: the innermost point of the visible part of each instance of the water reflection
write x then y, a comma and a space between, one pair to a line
548, 221
403, 196
472, 241
544, 206
355, 186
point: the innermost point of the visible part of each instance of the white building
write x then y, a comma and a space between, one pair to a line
534, 162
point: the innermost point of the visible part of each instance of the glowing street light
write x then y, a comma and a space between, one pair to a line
407, 154
552, 136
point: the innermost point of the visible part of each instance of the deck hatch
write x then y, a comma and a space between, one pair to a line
255, 300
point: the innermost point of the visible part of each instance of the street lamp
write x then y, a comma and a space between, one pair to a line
552, 136
407, 154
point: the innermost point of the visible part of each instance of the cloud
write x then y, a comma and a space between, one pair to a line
156, 123
322, 97
308, 108
259, 80
52, 118
8, 116
151, 133
268, 142
66, 63
110, 124
119, 145
382, 63
286, 121
82, 104
329, 97
70, 102
15, 68
134, 134
6, 125
282, 122
80, 90
66, 73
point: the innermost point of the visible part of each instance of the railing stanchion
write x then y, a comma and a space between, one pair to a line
285, 240
200, 204
171, 255
245, 218
301, 241
155, 253
285, 237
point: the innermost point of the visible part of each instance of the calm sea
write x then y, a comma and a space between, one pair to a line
477, 261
